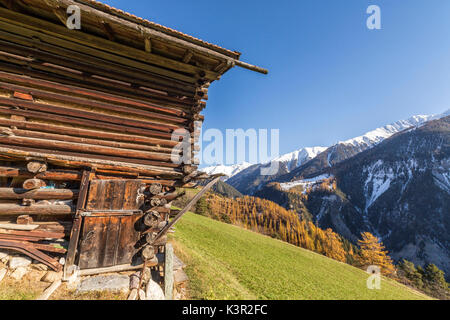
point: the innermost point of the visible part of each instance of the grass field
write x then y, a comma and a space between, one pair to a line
29, 288
227, 262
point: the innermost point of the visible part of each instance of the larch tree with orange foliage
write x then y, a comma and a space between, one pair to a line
373, 253
333, 246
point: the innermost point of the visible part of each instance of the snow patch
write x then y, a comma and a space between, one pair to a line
378, 182
442, 180
305, 183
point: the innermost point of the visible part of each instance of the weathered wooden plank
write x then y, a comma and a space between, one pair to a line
59, 175
50, 290
19, 227
117, 93
79, 132
168, 272
112, 242
48, 108
128, 238
48, 51
15, 209
114, 195
42, 94
92, 124
39, 194
108, 193
131, 199
37, 235
85, 148
68, 161
81, 140
92, 242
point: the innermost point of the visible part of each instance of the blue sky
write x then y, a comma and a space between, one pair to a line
330, 78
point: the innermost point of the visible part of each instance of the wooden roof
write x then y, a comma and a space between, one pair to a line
128, 16
116, 25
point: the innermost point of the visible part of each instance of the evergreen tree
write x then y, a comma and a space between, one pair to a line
202, 208
435, 278
407, 270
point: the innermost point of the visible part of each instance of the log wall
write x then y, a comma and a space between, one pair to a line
86, 128
77, 100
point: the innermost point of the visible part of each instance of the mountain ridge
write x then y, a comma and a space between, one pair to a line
249, 180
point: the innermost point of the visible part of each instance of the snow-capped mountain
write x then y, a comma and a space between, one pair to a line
399, 191
307, 162
376, 136
250, 180
346, 149
297, 158
287, 162
229, 171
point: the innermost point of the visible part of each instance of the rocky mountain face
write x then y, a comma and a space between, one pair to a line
224, 189
398, 190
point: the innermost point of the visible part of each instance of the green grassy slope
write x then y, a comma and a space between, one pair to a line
227, 262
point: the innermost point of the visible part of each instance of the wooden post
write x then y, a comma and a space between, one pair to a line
168, 272
76, 228
50, 290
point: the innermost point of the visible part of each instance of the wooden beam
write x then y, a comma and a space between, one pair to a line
38, 194
44, 94
85, 133
108, 30
71, 161
15, 209
102, 96
61, 14
168, 272
11, 5
104, 90
77, 223
36, 166
188, 56
95, 142
57, 175
50, 290
148, 45
86, 148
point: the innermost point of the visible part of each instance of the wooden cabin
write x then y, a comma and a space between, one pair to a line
86, 123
